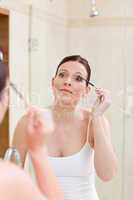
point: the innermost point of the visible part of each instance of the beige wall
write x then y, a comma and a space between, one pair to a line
51, 35
107, 43
101, 45
40, 22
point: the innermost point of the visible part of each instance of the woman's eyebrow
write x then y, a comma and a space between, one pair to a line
79, 73
63, 70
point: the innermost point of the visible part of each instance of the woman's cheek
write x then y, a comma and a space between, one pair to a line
79, 91
57, 84
78, 95
55, 87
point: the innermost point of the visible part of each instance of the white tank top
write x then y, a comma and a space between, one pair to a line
76, 174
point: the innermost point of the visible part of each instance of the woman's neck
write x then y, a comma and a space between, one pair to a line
65, 112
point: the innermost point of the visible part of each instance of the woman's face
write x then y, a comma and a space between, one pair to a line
68, 86
4, 102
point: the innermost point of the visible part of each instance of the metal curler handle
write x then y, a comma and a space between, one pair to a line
13, 155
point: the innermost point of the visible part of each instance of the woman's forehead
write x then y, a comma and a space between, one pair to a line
73, 67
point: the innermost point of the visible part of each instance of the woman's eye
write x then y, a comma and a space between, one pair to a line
61, 75
79, 78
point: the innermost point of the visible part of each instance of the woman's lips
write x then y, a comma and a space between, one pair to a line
66, 90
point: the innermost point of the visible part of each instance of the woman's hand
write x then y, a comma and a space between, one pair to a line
37, 127
102, 103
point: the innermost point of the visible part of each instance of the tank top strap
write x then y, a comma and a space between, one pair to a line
88, 128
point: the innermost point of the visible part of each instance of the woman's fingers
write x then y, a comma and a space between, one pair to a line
35, 129
103, 99
103, 94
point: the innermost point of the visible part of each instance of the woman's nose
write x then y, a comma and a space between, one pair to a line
67, 82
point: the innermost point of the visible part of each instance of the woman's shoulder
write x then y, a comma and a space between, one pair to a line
10, 168
17, 181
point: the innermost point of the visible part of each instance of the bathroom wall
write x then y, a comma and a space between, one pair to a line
50, 32
106, 41
37, 28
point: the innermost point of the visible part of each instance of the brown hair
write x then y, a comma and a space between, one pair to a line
79, 59
3, 75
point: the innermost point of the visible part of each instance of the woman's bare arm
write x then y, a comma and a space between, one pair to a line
36, 131
46, 179
30, 137
104, 158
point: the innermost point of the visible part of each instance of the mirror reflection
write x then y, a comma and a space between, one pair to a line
99, 33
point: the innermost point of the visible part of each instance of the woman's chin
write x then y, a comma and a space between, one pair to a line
66, 100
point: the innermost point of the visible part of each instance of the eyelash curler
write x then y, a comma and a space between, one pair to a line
12, 154
13, 86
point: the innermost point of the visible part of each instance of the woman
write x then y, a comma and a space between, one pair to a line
14, 182
79, 143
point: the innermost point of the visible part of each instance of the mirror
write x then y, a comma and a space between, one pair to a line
54, 29
65, 28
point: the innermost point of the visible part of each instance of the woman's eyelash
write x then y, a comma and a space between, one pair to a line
76, 77
79, 78
61, 74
